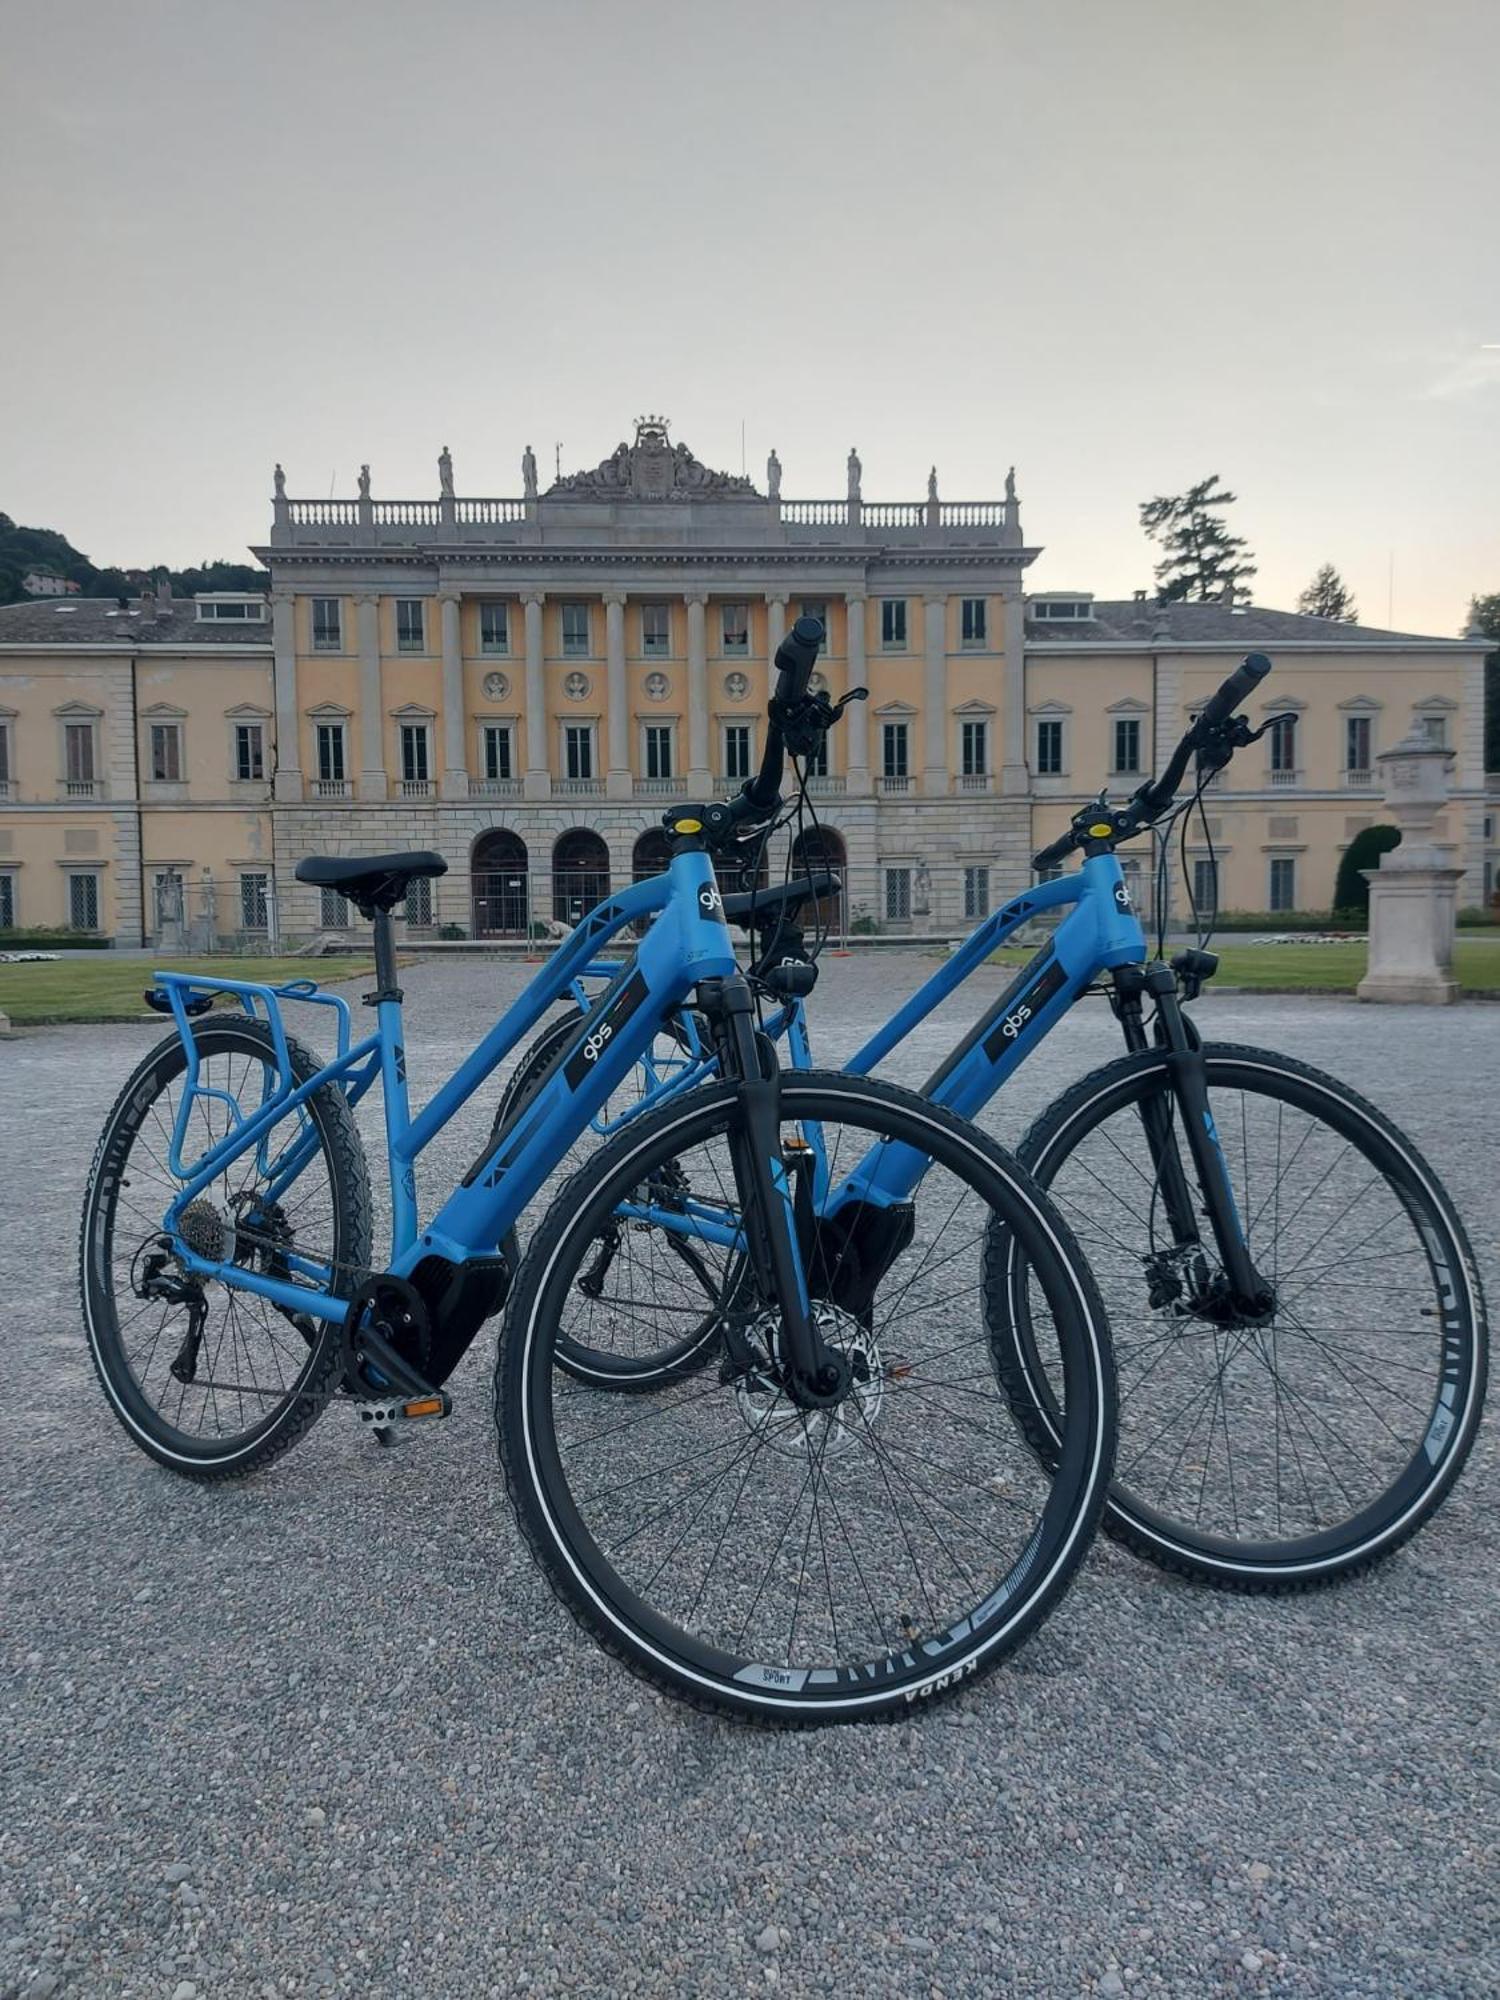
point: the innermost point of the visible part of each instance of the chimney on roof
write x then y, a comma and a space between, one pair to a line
148, 601
1140, 597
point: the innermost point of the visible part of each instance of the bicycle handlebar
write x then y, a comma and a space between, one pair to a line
1152, 799
796, 657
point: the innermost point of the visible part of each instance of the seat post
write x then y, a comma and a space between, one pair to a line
385, 960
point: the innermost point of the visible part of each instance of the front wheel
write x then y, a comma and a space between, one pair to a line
1284, 1454
755, 1556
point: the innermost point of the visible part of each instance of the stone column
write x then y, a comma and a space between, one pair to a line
935, 697
856, 722
1414, 891
372, 777
455, 761
699, 776
288, 719
538, 781
618, 781
1014, 778
775, 633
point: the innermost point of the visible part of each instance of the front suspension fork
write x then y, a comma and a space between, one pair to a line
816, 1374
1188, 1075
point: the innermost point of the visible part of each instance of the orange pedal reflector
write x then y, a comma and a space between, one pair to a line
423, 1406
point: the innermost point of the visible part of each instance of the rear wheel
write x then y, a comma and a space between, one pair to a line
749, 1554
1286, 1454
210, 1379
631, 1360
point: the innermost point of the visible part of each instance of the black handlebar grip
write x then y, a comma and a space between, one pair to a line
1058, 851
796, 657
1227, 698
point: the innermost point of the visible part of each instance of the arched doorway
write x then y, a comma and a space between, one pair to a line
499, 879
820, 850
580, 874
650, 855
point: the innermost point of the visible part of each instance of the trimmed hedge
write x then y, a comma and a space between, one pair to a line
44, 940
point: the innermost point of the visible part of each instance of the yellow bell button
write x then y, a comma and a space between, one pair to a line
688, 826
1101, 831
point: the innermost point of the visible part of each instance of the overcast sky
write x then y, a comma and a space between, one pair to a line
1122, 243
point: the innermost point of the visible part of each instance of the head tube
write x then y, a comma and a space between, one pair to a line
694, 917
1104, 927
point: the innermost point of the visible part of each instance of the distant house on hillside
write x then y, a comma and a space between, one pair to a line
47, 583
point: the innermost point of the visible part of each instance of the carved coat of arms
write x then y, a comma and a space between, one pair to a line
652, 468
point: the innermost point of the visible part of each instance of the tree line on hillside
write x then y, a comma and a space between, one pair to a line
23, 550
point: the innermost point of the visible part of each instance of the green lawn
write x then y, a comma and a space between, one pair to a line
105, 988
1324, 968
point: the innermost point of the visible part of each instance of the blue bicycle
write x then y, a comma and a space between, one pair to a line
841, 1517
1298, 1322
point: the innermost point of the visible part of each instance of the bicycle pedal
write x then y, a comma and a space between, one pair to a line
386, 1413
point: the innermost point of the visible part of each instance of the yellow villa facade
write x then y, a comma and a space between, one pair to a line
524, 684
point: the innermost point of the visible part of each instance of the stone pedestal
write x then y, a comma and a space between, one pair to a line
1412, 913
1414, 891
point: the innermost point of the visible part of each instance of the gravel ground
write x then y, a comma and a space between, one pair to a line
326, 1732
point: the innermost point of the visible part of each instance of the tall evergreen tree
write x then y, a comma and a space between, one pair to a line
1328, 596
1201, 561
1484, 616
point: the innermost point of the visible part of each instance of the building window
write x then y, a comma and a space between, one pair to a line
253, 900
7, 902
249, 752
1283, 883
1049, 747
893, 624
736, 750
656, 630
327, 625
333, 910
575, 631
735, 627
1356, 742
499, 760
1283, 741
331, 753
1434, 730
817, 608
659, 750
1058, 609
494, 628
893, 750
815, 765
410, 625
166, 753
975, 628
578, 750
216, 609
974, 749
414, 758
1127, 743
78, 752
1206, 886
976, 893
419, 903
83, 902
897, 895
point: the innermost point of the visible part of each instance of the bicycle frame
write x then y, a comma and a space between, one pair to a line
687, 943
1101, 931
